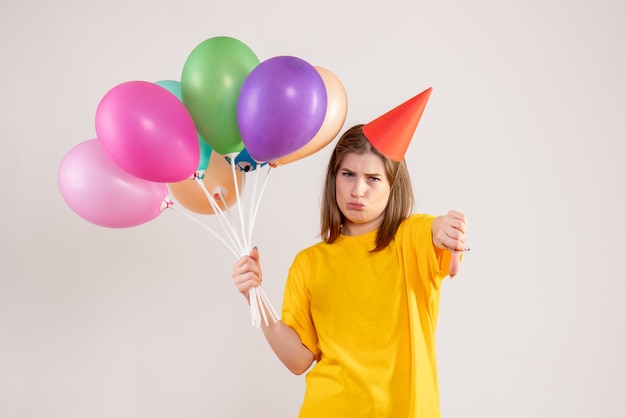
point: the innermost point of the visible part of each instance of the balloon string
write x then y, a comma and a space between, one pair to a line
246, 244
259, 309
251, 298
260, 301
227, 212
267, 303
227, 226
226, 223
251, 213
258, 298
254, 308
258, 202
230, 248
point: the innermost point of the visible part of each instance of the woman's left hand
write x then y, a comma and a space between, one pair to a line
449, 232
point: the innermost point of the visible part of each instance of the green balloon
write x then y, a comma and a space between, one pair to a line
210, 83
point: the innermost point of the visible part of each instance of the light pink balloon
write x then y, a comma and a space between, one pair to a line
100, 192
148, 132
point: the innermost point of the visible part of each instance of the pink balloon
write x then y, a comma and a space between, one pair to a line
100, 192
148, 132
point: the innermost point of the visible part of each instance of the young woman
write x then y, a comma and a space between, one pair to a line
362, 304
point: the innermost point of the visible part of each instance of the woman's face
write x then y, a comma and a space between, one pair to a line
362, 192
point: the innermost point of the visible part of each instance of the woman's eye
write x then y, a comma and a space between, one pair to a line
346, 174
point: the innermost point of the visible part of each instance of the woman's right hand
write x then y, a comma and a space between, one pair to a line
283, 339
247, 273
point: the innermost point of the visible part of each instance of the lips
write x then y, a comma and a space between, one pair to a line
355, 206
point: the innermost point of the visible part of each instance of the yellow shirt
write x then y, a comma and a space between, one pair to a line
369, 319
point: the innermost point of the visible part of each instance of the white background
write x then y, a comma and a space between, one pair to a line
523, 132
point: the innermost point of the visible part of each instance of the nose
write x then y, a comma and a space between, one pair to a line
358, 188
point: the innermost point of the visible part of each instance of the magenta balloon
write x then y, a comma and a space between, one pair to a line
281, 106
148, 132
100, 192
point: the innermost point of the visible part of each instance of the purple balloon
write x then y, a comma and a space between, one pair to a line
281, 106
148, 132
100, 192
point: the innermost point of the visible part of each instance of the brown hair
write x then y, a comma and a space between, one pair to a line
400, 202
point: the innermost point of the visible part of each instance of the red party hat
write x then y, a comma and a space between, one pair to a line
392, 132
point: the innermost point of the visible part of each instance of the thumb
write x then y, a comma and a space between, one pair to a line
455, 262
254, 253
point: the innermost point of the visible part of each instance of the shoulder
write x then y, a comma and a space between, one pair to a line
415, 231
310, 251
416, 221
305, 262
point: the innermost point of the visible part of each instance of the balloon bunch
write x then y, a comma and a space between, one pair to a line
198, 139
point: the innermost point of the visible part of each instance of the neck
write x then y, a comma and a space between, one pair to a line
354, 229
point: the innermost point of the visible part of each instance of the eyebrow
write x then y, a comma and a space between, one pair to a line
354, 172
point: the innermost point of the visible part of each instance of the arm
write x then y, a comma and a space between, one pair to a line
448, 233
283, 339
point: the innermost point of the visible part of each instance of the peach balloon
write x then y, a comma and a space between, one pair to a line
219, 182
336, 111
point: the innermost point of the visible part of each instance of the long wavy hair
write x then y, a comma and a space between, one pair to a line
401, 198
